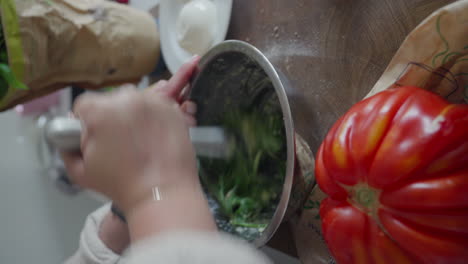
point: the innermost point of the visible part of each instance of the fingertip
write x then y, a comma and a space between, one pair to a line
189, 107
195, 59
189, 67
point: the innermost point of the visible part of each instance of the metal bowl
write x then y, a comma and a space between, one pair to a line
217, 87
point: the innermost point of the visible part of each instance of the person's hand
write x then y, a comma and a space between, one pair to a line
134, 142
135, 149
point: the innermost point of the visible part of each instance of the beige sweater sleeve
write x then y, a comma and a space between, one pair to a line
91, 249
170, 248
194, 248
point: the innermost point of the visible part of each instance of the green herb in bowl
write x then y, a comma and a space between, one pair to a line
247, 186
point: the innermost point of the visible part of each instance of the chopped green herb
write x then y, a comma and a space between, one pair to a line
248, 185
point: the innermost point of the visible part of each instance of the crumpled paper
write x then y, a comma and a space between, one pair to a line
434, 56
92, 43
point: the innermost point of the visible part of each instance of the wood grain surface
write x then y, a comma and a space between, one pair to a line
332, 52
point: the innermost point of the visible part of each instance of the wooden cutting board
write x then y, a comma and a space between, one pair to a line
332, 51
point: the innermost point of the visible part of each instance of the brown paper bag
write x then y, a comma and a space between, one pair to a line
434, 56
93, 43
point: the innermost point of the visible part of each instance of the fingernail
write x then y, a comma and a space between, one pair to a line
195, 58
191, 109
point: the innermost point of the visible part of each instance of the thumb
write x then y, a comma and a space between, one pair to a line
74, 166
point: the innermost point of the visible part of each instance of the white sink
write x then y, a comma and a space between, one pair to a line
39, 223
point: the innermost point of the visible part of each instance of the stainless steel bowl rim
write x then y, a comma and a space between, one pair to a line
256, 55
